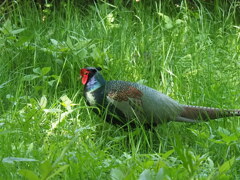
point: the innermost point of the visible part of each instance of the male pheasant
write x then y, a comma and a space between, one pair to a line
122, 101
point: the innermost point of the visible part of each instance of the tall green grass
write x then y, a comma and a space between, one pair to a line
188, 52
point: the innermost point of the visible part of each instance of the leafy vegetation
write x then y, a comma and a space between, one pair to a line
187, 52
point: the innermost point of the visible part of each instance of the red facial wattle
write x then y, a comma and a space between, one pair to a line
84, 73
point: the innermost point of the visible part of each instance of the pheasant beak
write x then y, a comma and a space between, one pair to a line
84, 73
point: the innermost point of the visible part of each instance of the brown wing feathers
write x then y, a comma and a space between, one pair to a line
125, 94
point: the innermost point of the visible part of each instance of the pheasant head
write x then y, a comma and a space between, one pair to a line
91, 78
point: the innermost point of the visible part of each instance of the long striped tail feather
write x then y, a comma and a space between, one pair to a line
199, 113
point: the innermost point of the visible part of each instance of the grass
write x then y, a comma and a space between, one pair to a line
186, 52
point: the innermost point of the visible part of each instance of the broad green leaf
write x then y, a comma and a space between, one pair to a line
38, 88
7, 27
160, 174
167, 20
17, 31
147, 174
51, 82
55, 77
148, 164
66, 102
69, 43
45, 70
224, 177
226, 166
54, 42
179, 21
223, 132
82, 53
37, 70
45, 169
96, 54
28, 174
231, 138
43, 102
117, 174
217, 141
23, 39
210, 163
167, 154
30, 77
110, 18
81, 43
11, 38
63, 49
